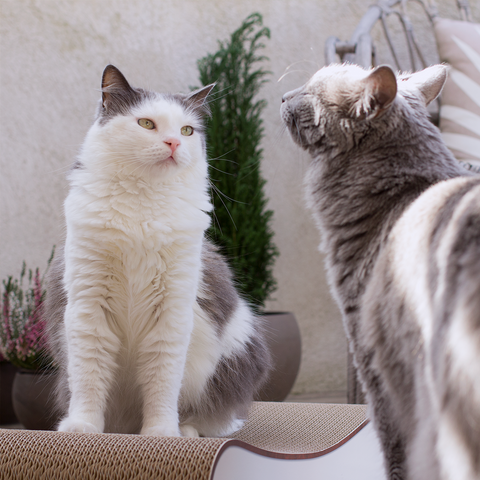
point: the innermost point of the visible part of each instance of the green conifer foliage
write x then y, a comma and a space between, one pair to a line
240, 221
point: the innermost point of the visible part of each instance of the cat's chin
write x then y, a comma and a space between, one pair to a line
166, 162
162, 169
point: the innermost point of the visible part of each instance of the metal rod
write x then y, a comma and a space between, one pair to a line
465, 11
363, 51
390, 43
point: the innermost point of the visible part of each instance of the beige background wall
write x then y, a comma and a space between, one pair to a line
52, 56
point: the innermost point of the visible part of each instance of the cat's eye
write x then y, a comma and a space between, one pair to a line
146, 123
187, 130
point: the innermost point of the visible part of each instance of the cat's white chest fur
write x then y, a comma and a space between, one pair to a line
132, 280
127, 240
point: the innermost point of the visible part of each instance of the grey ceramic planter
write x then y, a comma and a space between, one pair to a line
32, 397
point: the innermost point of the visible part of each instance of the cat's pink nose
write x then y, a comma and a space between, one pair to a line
173, 143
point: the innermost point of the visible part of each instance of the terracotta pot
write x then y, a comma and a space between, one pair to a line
32, 397
7, 374
286, 348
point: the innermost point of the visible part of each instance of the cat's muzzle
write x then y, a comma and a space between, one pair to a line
288, 115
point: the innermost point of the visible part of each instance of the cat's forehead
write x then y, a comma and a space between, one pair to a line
166, 107
335, 77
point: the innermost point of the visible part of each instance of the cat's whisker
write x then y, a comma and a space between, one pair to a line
249, 170
293, 71
218, 94
226, 208
217, 99
221, 171
215, 96
214, 214
221, 157
223, 160
288, 68
300, 61
62, 169
296, 126
144, 168
280, 131
227, 197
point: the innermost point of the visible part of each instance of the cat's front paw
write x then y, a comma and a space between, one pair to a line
235, 425
161, 431
189, 431
75, 425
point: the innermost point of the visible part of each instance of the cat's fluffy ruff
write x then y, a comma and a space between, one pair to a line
405, 272
137, 351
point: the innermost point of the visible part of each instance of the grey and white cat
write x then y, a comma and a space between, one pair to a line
144, 319
400, 225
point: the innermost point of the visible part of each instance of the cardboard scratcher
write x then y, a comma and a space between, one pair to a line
278, 441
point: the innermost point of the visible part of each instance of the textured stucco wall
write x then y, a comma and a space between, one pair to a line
52, 56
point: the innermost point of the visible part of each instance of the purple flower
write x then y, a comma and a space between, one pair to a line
23, 338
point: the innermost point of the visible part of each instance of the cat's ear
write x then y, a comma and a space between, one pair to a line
379, 90
114, 84
429, 81
198, 99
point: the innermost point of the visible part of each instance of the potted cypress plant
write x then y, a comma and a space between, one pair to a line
23, 344
240, 220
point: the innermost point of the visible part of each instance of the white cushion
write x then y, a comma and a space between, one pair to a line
459, 45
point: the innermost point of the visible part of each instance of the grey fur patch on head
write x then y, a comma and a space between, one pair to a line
197, 100
119, 98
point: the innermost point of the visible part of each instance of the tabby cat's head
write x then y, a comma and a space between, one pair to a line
144, 133
342, 103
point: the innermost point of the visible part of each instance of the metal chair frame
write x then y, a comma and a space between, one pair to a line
360, 49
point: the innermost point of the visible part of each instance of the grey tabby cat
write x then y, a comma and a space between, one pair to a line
400, 225
146, 325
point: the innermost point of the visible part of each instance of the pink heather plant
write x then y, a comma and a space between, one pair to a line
23, 340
